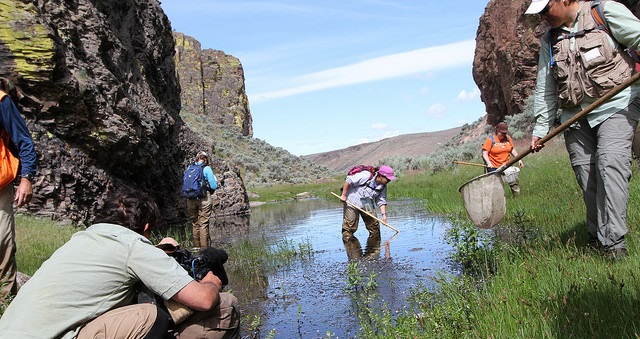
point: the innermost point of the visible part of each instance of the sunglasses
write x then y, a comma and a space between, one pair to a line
546, 8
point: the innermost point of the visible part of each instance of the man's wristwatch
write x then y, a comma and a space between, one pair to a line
29, 176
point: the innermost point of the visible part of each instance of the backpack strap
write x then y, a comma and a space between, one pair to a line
597, 13
493, 141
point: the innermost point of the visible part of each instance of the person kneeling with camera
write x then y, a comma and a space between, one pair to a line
86, 289
210, 261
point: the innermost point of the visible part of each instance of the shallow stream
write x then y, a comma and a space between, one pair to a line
307, 298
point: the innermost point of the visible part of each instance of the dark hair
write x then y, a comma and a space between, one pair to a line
130, 209
7, 86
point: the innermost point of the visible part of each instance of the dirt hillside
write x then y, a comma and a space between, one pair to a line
407, 145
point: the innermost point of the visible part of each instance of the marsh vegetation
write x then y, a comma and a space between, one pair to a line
531, 276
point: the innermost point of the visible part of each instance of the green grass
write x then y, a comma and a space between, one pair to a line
533, 275
36, 240
550, 286
282, 192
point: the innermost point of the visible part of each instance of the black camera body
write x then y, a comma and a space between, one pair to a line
211, 259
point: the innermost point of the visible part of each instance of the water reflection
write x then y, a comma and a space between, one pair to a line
354, 250
307, 298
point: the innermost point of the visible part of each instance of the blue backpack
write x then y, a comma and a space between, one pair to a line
193, 182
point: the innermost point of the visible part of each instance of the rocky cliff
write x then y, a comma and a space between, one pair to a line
506, 55
212, 85
505, 61
102, 101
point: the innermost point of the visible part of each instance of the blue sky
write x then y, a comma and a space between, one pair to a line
325, 75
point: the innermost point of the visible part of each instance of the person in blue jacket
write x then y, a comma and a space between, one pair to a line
200, 209
18, 141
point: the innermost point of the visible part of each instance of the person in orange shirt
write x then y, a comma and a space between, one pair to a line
497, 151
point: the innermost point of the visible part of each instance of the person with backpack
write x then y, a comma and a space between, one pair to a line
366, 189
198, 185
497, 151
582, 57
18, 158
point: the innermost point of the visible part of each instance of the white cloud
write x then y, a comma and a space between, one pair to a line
379, 125
467, 96
387, 67
436, 110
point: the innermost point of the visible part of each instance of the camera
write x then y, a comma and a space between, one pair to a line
211, 259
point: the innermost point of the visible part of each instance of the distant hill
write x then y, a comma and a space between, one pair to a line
406, 145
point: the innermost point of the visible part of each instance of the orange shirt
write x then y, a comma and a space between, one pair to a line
500, 152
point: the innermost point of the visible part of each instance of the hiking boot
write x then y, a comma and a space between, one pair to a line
594, 244
616, 253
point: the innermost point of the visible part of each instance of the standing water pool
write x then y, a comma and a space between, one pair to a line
312, 297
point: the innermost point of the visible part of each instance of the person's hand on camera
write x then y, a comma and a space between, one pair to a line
212, 279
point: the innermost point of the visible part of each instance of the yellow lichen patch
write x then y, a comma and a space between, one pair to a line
28, 40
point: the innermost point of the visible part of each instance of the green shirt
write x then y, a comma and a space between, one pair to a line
625, 28
94, 272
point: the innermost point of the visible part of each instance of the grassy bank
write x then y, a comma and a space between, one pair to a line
533, 276
543, 281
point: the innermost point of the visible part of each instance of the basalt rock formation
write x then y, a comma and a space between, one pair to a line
506, 56
100, 95
505, 62
212, 84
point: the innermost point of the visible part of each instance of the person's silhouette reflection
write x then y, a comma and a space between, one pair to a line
354, 249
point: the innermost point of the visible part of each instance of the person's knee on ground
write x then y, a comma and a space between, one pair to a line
221, 322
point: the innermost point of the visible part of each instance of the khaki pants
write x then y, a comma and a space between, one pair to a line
135, 322
222, 322
128, 322
8, 267
200, 213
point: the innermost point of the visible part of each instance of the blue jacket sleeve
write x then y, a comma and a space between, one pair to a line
21, 141
211, 178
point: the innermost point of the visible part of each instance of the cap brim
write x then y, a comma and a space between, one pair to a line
168, 248
536, 6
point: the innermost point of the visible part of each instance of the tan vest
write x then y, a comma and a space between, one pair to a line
593, 66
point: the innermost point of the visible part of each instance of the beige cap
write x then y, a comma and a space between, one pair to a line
168, 245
